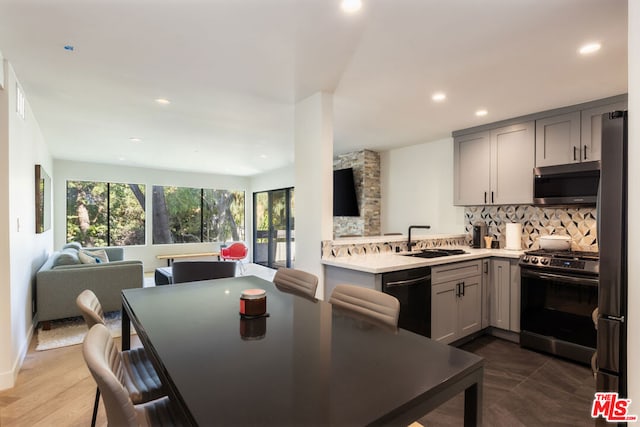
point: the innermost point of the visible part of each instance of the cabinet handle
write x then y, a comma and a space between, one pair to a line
574, 153
585, 152
485, 197
462, 288
486, 267
492, 197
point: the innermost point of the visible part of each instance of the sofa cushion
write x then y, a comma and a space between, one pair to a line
68, 256
100, 255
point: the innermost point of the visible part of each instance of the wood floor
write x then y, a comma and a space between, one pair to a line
521, 388
524, 388
54, 388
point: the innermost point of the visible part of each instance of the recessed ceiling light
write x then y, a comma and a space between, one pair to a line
263, 156
134, 139
122, 159
351, 6
481, 113
589, 48
163, 101
439, 96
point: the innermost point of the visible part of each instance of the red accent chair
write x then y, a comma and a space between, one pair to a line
235, 252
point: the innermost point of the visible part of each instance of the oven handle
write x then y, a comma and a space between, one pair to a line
550, 276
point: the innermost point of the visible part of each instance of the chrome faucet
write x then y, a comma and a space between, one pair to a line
409, 243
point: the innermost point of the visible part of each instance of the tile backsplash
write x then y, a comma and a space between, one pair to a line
336, 249
579, 223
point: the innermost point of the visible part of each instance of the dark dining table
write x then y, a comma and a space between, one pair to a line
304, 364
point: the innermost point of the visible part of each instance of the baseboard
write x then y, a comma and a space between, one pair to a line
8, 378
504, 334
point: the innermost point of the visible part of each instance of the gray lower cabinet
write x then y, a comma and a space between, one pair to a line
456, 300
495, 167
504, 294
486, 282
500, 293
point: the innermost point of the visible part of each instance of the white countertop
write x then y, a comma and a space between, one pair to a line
385, 262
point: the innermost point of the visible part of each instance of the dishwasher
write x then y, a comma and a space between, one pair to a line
413, 289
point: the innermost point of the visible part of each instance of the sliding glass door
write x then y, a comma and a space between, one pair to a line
273, 228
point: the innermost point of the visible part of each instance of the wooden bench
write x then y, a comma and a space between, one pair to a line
170, 258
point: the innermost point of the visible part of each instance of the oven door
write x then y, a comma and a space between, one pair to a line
559, 306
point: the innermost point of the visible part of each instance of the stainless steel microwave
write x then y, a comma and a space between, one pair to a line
571, 184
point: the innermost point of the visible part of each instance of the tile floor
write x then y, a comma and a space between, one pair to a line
524, 388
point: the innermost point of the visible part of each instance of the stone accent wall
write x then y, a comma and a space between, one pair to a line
579, 223
366, 174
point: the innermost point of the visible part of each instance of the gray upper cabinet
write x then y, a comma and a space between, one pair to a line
512, 150
472, 160
493, 163
558, 140
495, 167
591, 138
573, 137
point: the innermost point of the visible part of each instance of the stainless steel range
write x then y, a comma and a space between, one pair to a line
559, 292
563, 261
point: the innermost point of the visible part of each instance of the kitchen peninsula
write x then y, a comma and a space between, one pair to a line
446, 298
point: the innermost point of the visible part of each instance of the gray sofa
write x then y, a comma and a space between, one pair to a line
62, 278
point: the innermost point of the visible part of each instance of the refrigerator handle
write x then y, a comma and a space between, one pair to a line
598, 210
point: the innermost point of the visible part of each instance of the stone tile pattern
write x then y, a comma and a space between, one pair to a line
366, 174
332, 249
523, 388
579, 223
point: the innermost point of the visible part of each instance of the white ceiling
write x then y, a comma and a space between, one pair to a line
234, 69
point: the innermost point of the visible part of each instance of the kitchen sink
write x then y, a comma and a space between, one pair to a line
436, 253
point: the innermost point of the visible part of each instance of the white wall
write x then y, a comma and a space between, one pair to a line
273, 180
66, 170
6, 356
417, 188
22, 250
633, 353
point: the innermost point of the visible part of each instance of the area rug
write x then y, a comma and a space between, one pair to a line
66, 332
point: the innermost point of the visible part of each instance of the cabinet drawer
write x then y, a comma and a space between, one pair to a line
455, 271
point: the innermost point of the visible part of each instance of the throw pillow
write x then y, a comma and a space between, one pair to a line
67, 256
73, 245
87, 259
100, 255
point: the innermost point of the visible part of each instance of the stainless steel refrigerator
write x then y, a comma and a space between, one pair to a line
612, 240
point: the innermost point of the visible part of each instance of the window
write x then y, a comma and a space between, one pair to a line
191, 215
274, 228
105, 214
